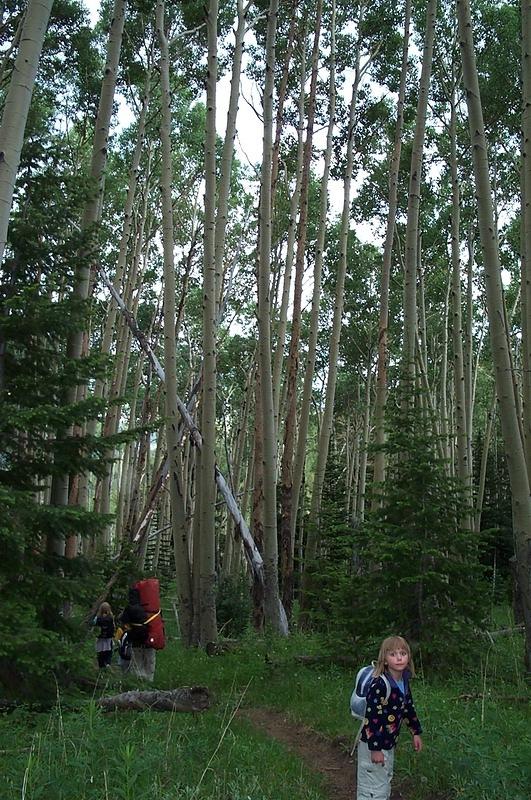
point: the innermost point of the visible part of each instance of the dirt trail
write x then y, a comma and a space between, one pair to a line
329, 758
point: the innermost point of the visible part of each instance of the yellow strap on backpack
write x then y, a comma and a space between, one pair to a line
150, 619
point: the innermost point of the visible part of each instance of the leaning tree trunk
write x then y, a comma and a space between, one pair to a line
516, 461
272, 600
182, 565
413, 210
207, 487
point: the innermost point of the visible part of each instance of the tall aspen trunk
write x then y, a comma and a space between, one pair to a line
443, 382
325, 432
258, 498
468, 351
286, 472
240, 439
182, 565
85, 263
464, 467
278, 358
17, 103
272, 600
228, 149
383, 324
516, 461
526, 228
302, 437
478, 509
122, 351
281, 99
415, 181
207, 487
365, 443
85, 269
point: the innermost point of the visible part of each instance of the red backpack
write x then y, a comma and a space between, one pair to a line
149, 591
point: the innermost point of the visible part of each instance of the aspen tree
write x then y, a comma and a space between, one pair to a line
86, 263
464, 467
17, 103
282, 324
302, 435
383, 356
272, 603
180, 541
516, 462
333, 347
415, 180
207, 488
526, 227
286, 471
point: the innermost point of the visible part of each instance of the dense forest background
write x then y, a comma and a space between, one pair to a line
296, 389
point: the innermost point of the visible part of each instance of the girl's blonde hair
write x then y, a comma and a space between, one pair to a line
387, 646
105, 610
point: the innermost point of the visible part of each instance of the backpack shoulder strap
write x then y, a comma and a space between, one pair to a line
387, 686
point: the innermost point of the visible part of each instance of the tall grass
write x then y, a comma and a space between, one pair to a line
477, 734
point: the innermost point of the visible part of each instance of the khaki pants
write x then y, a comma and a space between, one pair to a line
374, 780
142, 663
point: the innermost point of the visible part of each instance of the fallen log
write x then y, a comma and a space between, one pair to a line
186, 698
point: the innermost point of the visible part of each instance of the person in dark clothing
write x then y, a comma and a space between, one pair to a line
105, 619
133, 620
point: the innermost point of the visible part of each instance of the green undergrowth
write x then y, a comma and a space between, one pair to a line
476, 731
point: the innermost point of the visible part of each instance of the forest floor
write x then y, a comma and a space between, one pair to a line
330, 758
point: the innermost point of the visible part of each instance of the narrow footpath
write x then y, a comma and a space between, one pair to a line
329, 758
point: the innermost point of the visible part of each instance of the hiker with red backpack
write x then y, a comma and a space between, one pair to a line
388, 701
143, 629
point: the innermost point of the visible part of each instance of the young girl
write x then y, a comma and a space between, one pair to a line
383, 719
104, 618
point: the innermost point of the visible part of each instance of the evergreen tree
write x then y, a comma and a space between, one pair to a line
419, 572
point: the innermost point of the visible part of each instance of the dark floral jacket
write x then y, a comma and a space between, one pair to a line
383, 719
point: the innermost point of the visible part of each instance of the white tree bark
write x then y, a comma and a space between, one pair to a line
516, 461
272, 603
207, 487
415, 180
383, 355
184, 586
17, 103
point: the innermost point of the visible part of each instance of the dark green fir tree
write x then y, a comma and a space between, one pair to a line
419, 572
